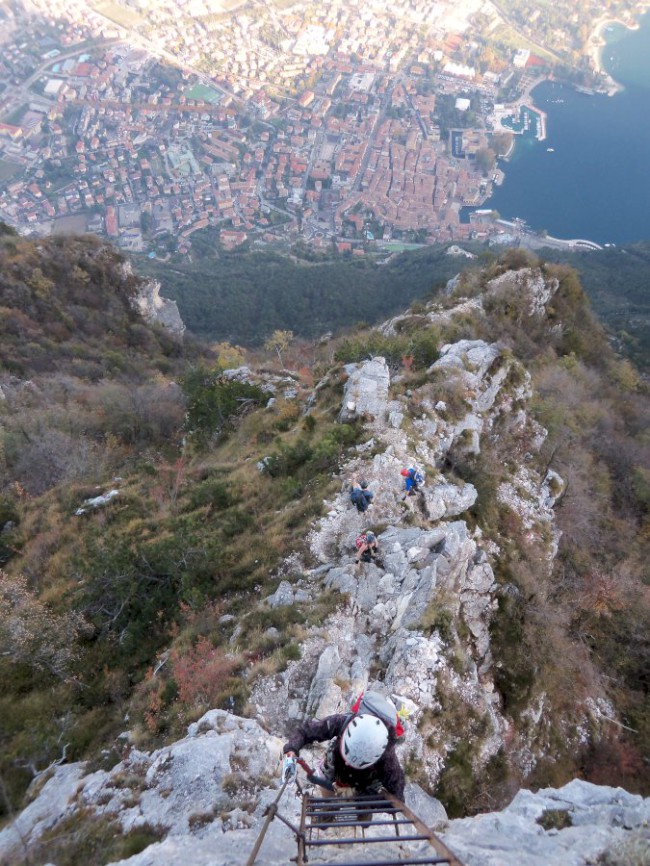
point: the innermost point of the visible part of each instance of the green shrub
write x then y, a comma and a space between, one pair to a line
213, 492
436, 618
515, 659
213, 403
555, 819
457, 783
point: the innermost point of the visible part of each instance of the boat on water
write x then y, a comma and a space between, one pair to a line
550, 150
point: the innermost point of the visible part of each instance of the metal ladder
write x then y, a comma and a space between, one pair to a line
322, 815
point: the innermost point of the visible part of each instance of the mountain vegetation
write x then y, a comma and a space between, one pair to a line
149, 500
242, 297
616, 280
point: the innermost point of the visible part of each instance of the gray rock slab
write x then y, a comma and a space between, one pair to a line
48, 808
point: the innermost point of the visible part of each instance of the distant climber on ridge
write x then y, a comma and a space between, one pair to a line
361, 754
360, 495
413, 480
367, 547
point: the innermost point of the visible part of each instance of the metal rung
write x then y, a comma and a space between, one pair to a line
359, 807
323, 814
429, 861
317, 825
377, 806
368, 840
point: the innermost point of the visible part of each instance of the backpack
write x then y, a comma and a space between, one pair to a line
356, 495
416, 477
383, 708
360, 541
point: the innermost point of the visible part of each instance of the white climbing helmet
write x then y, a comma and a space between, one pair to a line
363, 741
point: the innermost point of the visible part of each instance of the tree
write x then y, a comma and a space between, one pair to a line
213, 402
279, 342
31, 634
486, 160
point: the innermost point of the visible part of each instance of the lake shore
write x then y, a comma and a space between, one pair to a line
597, 42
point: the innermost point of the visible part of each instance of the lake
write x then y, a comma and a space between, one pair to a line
590, 178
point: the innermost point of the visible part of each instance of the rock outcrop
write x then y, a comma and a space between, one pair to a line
422, 613
161, 310
209, 792
572, 826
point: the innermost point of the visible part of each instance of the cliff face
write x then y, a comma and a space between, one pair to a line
438, 622
153, 308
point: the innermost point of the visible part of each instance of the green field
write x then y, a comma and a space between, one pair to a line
204, 93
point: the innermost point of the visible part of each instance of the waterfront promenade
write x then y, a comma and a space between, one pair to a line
535, 241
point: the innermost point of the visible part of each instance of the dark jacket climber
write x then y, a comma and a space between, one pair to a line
361, 754
360, 495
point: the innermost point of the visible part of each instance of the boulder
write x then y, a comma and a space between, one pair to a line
444, 499
367, 389
582, 821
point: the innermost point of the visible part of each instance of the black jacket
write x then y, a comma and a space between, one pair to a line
387, 771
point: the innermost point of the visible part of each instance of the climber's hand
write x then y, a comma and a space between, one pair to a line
289, 767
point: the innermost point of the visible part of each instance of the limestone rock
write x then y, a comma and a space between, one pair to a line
599, 819
47, 809
444, 499
286, 594
156, 309
529, 282
367, 388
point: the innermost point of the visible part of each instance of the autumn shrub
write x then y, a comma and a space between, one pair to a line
54, 457
139, 414
448, 386
201, 672
287, 413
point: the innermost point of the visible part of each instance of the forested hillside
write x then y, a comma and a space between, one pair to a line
141, 610
243, 297
617, 281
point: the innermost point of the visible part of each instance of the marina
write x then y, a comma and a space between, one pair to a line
526, 120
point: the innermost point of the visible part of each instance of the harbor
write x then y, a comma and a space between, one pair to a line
523, 120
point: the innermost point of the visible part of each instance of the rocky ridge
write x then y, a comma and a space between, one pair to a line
417, 624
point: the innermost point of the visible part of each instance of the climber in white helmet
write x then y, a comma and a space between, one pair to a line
361, 754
